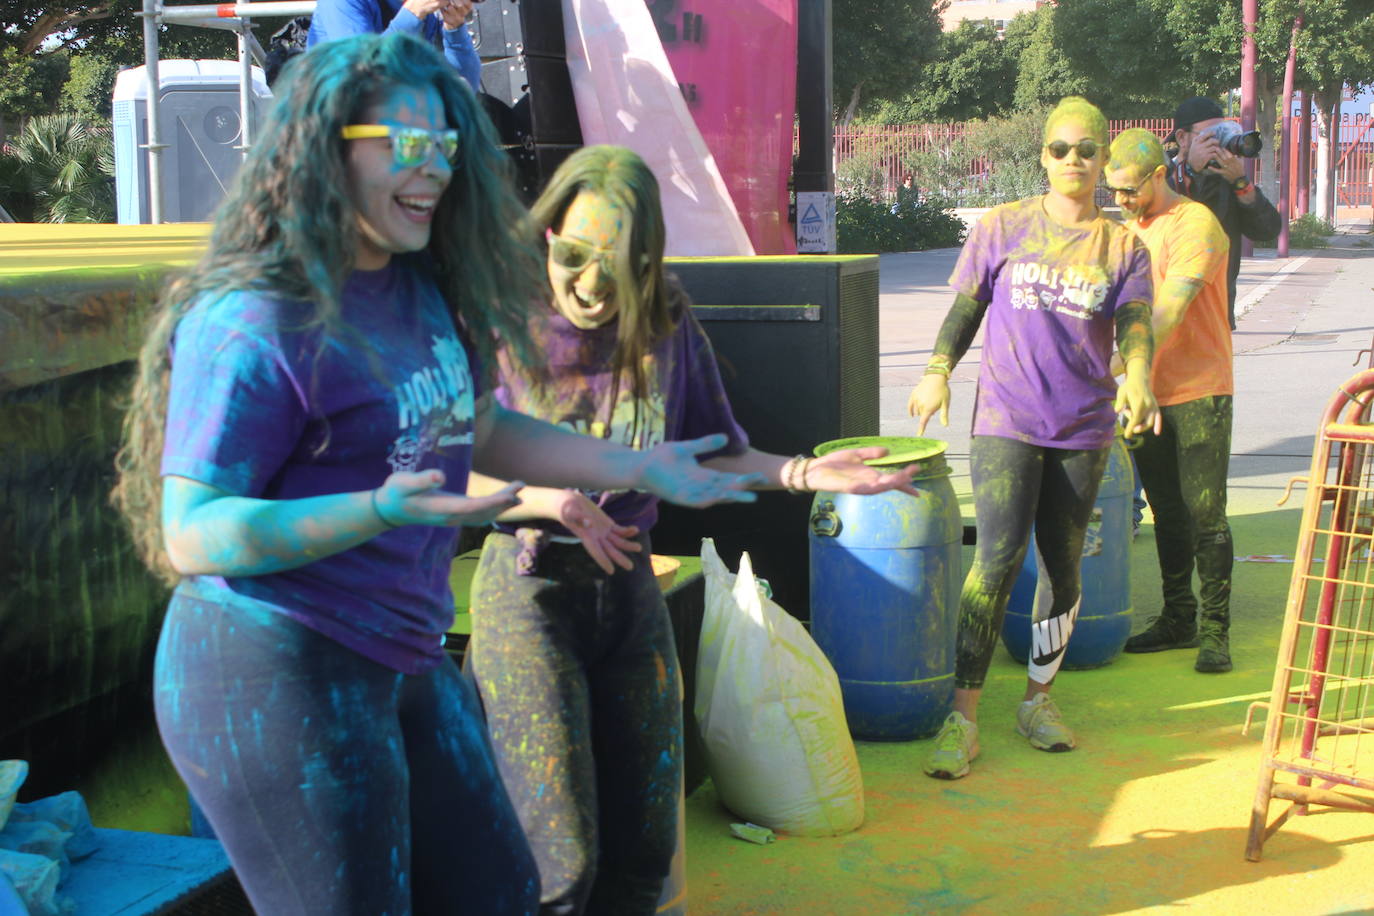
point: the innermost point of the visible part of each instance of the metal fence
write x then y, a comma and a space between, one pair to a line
1319, 734
890, 148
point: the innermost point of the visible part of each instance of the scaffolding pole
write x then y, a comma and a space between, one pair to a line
232, 16
185, 14
245, 86
152, 16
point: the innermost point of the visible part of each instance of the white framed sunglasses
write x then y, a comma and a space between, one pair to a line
576, 255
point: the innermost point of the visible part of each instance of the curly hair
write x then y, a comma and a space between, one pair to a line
288, 227
1138, 148
1076, 108
646, 314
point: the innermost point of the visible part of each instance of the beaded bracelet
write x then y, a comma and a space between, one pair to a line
790, 471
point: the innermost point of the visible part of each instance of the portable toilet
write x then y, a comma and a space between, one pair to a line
198, 119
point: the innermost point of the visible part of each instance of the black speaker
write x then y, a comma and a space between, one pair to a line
506, 28
539, 94
797, 339
526, 89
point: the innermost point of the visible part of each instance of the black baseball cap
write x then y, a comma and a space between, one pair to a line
1198, 108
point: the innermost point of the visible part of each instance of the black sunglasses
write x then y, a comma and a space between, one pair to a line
1087, 149
1128, 192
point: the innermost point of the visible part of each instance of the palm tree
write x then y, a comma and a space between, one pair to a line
65, 167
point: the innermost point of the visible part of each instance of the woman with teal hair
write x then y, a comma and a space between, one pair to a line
307, 407
1059, 283
572, 648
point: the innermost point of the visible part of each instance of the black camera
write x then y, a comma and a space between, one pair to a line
1235, 141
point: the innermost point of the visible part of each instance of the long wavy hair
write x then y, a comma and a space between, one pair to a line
646, 313
288, 227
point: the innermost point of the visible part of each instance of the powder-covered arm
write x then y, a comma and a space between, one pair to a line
209, 531
511, 445
1135, 343
956, 335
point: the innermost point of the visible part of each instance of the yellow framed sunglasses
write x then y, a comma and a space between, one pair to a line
409, 145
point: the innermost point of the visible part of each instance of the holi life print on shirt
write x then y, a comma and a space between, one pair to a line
434, 406
1074, 290
649, 432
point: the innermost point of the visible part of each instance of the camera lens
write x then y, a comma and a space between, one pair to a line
1246, 144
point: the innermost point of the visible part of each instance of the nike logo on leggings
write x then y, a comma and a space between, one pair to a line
1049, 637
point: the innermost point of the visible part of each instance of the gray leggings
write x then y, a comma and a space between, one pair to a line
578, 673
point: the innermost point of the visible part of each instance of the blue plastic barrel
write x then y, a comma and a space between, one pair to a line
1104, 617
885, 580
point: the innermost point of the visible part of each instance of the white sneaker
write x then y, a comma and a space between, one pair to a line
1038, 719
955, 747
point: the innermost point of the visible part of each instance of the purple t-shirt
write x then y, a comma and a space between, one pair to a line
261, 408
1050, 325
685, 399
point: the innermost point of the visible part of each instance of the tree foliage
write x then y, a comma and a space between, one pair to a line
44, 47
1044, 74
89, 88
1138, 58
1127, 68
972, 76
59, 170
111, 27
880, 48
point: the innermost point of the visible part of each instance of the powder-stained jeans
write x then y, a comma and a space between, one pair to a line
1184, 470
578, 673
1014, 485
337, 785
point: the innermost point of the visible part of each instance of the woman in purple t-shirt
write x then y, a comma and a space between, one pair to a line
307, 408
1057, 282
574, 658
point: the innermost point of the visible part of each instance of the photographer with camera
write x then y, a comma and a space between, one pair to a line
1210, 168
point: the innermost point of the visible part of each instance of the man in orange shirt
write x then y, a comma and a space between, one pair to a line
1184, 468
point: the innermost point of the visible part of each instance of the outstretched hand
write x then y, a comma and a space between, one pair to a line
605, 542
671, 471
418, 498
930, 394
844, 471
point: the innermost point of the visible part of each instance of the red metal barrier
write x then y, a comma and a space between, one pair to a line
892, 145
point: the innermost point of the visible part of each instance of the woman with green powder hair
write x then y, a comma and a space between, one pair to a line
308, 405
1056, 282
571, 645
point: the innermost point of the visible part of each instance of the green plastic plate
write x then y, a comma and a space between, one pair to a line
900, 449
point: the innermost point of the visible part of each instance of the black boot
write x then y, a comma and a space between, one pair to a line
1164, 632
1214, 652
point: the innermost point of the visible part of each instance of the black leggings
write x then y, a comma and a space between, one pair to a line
337, 786
578, 673
1015, 485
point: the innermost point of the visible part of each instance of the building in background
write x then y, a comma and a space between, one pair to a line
996, 13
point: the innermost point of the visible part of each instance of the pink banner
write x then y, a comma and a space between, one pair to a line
736, 63
627, 95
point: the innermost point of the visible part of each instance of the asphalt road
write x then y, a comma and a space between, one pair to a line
1302, 325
